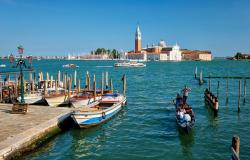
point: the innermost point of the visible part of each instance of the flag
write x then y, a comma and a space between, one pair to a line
20, 49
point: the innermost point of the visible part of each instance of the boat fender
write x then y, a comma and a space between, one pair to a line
103, 115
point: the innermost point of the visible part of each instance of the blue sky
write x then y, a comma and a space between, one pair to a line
59, 27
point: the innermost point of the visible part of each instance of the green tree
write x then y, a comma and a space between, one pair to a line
238, 55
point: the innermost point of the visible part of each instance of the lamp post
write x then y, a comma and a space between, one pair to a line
21, 64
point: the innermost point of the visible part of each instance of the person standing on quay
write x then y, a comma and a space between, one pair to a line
185, 92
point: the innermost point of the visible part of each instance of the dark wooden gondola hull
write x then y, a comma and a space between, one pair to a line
185, 126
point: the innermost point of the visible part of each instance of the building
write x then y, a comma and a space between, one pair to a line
160, 52
164, 52
196, 55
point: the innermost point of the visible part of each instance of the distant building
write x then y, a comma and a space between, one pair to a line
160, 52
196, 55
164, 52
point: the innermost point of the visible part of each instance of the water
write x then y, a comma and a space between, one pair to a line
146, 128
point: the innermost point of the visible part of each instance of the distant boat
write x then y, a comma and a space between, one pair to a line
2, 65
185, 120
70, 66
98, 112
129, 64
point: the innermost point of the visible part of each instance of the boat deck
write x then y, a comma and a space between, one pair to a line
96, 108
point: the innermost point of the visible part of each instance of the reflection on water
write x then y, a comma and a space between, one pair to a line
186, 142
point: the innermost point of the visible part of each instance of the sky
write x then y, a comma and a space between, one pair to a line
59, 27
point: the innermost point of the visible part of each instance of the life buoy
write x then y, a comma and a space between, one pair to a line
103, 115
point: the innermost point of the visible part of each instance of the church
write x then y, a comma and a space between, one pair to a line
160, 52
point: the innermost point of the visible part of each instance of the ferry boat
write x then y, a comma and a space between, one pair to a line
98, 112
129, 64
70, 66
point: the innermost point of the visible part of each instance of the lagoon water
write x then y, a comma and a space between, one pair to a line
146, 127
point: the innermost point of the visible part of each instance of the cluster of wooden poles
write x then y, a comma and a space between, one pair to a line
66, 82
32, 85
227, 91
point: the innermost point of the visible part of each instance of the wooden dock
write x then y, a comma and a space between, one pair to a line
21, 133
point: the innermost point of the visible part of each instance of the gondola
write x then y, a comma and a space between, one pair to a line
184, 120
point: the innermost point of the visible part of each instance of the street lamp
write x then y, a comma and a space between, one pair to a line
21, 64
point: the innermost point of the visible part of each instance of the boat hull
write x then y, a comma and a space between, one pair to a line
88, 119
31, 99
186, 126
55, 101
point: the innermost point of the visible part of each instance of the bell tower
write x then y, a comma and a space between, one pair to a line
138, 40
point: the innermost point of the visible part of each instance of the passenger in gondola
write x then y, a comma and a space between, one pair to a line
185, 92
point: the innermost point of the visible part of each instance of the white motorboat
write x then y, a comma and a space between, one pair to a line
129, 64
97, 113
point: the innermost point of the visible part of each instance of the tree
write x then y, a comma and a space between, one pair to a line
238, 55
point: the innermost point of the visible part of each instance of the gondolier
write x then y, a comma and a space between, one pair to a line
185, 92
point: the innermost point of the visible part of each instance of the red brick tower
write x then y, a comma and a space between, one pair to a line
138, 40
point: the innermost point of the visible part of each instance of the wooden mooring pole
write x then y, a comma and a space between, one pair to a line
75, 79
79, 86
88, 82
218, 88
245, 91
69, 85
239, 96
124, 84
45, 85
107, 80
94, 87
235, 148
58, 78
56, 85
209, 84
102, 83
111, 85
65, 83
227, 91
195, 72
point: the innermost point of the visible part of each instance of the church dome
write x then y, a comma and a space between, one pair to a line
162, 43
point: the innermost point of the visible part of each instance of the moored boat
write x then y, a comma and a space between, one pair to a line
111, 98
86, 97
97, 113
83, 99
55, 99
185, 117
31, 98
